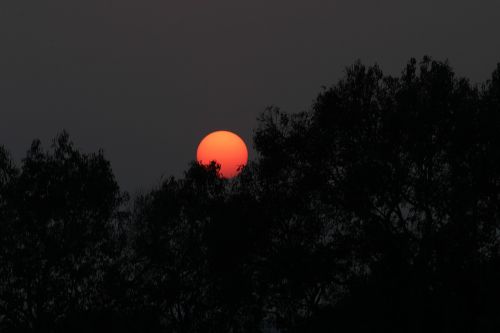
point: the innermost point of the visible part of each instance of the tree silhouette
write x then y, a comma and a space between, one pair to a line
378, 209
411, 170
190, 247
57, 225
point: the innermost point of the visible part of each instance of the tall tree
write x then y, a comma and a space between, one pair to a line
396, 179
56, 237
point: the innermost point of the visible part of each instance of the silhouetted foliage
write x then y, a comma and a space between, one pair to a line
376, 210
56, 241
404, 174
190, 244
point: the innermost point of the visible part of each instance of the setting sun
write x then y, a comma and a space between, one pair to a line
226, 149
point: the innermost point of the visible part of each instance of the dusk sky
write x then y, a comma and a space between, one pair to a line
146, 80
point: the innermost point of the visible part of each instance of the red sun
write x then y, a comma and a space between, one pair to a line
226, 149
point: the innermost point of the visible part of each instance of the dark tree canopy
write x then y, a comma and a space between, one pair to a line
378, 209
58, 212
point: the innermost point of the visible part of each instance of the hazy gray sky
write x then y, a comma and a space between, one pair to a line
146, 79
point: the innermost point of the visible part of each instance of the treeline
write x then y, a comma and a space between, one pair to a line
376, 210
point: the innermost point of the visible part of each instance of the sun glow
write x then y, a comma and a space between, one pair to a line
225, 148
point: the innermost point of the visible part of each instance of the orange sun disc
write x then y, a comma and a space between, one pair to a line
226, 149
